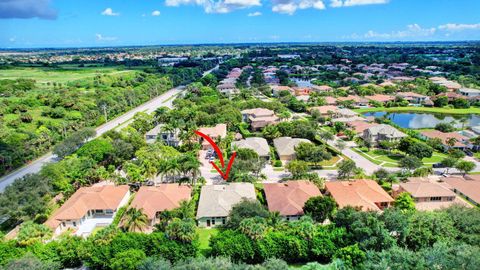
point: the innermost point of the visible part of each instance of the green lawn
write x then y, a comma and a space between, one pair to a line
383, 158
204, 235
45, 75
471, 110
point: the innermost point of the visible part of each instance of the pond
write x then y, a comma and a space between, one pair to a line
427, 120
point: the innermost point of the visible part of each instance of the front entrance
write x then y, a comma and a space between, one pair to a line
208, 222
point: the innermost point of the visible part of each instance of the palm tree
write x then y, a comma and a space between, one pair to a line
134, 220
185, 210
451, 141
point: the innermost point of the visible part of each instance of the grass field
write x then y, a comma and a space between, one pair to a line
385, 159
472, 110
204, 235
58, 75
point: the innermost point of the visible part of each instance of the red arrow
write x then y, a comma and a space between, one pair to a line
220, 156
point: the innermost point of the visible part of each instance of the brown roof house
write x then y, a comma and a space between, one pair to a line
216, 201
89, 208
285, 147
468, 187
259, 117
154, 200
380, 98
216, 132
460, 143
413, 97
428, 195
364, 194
359, 126
288, 198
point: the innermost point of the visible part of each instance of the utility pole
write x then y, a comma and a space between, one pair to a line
104, 108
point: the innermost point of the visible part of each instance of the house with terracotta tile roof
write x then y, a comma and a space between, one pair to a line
356, 100
326, 110
217, 132
216, 201
330, 100
461, 141
288, 198
413, 98
156, 199
259, 118
468, 187
89, 208
321, 88
359, 126
428, 195
276, 89
302, 91
380, 98
363, 194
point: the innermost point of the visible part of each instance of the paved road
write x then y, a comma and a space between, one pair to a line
165, 99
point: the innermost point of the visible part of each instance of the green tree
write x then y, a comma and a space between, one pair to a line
31, 233
297, 168
352, 256
254, 227
410, 163
346, 169
449, 162
134, 220
465, 166
181, 230
320, 208
129, 259
404, 202
245, 209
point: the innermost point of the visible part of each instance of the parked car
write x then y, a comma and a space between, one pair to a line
438, 165
468, 152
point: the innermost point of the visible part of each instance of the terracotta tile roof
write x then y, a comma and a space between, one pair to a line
380, 98
89, 198
330, 100
160, 198
258, 112
365, 194
470, 188
219, 130
353, 98
288, 198
423, 189
325, 109
444, 136
359, 126
410, 95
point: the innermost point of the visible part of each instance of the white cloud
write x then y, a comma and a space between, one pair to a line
156, 13
351, 3
101, 38
455, 27
254, 14
290, 6
212, 6
109, 12
413, 31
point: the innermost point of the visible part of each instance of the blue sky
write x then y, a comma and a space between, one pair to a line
81, 23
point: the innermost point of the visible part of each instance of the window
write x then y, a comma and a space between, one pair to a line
213, 221
223, 221
435, 198
98, 211
63, 224
109, 211
74, 224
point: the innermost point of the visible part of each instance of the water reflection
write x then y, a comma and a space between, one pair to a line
427, 120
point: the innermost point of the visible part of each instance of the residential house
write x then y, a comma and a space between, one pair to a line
288, 198
156, 199
363, 194
259, 117
468, 187
285, 147
450, 85
413, 97
451, 96
427, 194
217, 132
169, 137
380, 98
257, 144
330, 100
321, 88
216, 201
355, 100
469, 92
89, 208
326, 110
382, 132
461, 142
302, 91
358, 126
276, 89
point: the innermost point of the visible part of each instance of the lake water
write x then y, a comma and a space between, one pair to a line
427, 120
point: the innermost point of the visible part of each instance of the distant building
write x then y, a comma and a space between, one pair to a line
469, 92
412, 97
168, 137
89, 208
382, 132
257, 144
288, 198
468, 187
461, 142
216, 201
364, 194
217, 132
285, 147
259, 117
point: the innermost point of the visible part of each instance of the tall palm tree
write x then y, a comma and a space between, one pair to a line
185, 210
134, 220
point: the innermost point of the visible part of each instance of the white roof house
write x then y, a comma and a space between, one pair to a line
257, 144
285, 147
216, 201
